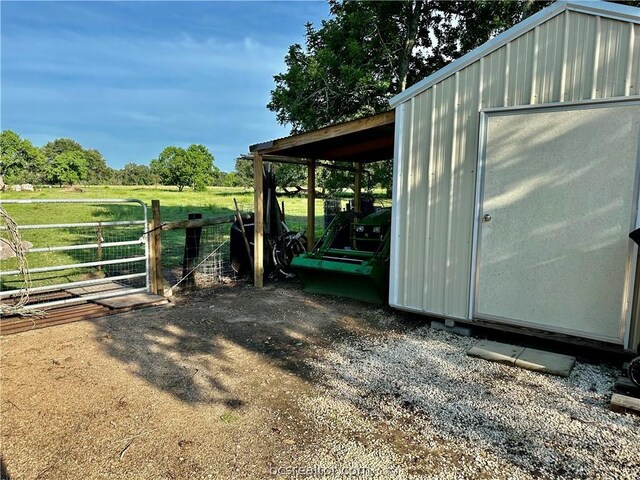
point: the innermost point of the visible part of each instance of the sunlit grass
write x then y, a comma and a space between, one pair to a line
174, 206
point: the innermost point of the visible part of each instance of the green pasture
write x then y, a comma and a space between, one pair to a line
174, 206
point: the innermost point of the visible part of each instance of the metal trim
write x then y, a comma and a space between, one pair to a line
551, 328
72, 266
61, 286
395, 199
42, 226
597, 8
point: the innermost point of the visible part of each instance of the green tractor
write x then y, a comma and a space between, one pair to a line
351, 259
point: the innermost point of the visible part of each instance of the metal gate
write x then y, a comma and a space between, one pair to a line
76, 250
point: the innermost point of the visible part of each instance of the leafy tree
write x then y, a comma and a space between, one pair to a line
134, 174
20, 161
192, 167
369, 51
244, 171
68, 168
60, 145
99, 171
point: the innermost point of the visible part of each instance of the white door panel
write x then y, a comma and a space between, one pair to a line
560, 186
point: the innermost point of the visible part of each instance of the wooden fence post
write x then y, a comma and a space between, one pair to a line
191, 251
156, 242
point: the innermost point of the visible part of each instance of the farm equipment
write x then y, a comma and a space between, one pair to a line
281, 243
351, 259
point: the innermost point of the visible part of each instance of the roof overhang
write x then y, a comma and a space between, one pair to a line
614, 11
364, 140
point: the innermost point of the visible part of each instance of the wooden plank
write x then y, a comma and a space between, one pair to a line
91, 289
353, 149
386, 118
131, 300
623, 403
203, 222
258, 233
311, 204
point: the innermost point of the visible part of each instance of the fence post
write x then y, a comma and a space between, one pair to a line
156, 235
191, 251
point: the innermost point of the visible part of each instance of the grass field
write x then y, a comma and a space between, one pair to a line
174, 205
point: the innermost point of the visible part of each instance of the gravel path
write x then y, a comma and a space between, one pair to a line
461, 417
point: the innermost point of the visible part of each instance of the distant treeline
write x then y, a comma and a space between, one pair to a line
65, 162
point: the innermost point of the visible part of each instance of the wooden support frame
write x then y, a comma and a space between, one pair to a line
311, 203
155, 250
258, 232
357, 200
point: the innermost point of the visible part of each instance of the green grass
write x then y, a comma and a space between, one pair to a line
174, 205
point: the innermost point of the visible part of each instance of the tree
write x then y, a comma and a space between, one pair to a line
192, 167
244, 171
369, 51
60, 145
20, 161
68, 168
98, 171
134, 174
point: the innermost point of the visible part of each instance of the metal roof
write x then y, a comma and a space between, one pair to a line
604, 9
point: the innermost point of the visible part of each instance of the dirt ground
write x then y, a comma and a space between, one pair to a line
232, 382
205, 389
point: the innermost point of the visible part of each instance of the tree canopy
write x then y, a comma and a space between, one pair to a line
20, 161
367, 52
192, 167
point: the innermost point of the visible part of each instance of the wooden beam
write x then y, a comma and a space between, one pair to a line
357, 201
386, 118
156, 259
202, 222
258, 208
353, 149
311, 203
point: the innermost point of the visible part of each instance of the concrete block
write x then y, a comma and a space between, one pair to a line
496, 351
547, 362
457, 329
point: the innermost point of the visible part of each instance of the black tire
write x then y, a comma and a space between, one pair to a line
634, 371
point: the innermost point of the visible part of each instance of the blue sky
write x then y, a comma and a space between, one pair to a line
130, 78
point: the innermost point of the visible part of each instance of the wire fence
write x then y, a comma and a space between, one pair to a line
211, 263
74, 243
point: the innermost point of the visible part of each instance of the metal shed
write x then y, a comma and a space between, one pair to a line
516, 180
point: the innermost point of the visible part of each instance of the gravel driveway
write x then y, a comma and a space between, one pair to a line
241, 383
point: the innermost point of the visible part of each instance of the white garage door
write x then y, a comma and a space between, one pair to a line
558, 197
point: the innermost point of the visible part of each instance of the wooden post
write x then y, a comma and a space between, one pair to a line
357, 200
151, 241
191, 251
311, 204
258, 232
156, 236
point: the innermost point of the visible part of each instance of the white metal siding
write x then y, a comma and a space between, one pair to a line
571, 56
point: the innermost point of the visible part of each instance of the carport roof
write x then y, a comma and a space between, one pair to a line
364, 140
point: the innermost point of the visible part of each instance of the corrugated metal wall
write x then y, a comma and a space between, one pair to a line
572, 56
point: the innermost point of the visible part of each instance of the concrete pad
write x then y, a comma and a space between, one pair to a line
496, 351
547, 362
